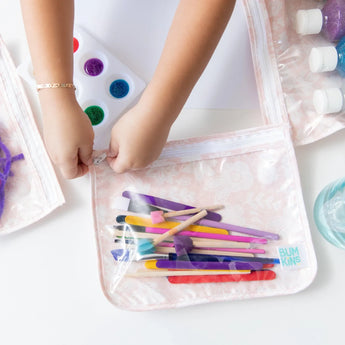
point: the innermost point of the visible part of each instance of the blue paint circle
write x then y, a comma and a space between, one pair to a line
119, 88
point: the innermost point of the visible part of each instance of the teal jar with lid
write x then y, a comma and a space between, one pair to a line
329, 212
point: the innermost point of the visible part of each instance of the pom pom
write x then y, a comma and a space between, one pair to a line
157, 217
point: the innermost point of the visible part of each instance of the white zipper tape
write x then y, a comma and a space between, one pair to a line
246, 141
21, 112
272, 101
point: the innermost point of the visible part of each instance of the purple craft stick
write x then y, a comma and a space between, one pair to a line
236, 228
232, 265
209, 235
164, 203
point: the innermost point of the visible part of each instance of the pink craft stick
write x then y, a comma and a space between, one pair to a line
209, 235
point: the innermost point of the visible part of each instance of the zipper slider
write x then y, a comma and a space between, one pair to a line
99, 159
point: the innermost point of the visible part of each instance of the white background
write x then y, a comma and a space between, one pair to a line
49, 286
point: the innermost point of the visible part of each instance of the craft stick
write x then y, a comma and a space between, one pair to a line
164, 203
210, 243
237, 247
125, 255
171, 250
206, 265
146, 222
159, 216
179, 227
200, 246
200, 235
208, 235
214, 236
167, 273
222, 278
219, 249
167, 250
234, 250
192, 210
235, 228
213, 245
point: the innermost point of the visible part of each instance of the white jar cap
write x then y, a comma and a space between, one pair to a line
309, 22
323, 59
328, 101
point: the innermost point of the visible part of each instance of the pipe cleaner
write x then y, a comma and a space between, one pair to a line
6, 161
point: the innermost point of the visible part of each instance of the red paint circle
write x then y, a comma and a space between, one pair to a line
75, 44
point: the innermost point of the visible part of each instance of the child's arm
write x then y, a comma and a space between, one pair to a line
139, 136
67, 129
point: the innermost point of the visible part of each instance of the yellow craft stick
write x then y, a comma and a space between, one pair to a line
168, 273
141, 221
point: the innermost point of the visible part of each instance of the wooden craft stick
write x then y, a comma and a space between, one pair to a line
180, 227
146, 222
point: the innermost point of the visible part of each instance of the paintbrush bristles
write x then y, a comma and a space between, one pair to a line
180, 227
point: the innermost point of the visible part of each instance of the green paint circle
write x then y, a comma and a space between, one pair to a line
95, 114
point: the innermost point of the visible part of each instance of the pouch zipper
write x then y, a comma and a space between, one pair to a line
249, 141
272, 106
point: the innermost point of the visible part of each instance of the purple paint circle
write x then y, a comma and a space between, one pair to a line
93, 67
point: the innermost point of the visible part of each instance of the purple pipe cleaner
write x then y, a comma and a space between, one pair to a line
6, 161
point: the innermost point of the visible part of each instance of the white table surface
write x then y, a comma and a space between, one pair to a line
49, 286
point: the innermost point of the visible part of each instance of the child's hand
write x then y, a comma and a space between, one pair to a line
137, 139
68, 132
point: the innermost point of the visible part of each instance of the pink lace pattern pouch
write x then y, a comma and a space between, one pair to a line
29, 189
258, 244
285, 82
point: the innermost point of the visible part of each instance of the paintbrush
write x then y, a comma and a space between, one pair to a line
147, 245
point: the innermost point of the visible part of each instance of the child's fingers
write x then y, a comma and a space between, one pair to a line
114, 159
118, 164
85, 154
70, 169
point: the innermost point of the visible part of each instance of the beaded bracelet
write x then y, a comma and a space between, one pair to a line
55, 86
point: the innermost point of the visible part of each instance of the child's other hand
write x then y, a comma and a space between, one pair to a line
137, 139
68, 133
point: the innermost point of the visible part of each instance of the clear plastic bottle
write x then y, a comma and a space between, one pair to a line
327, 59
329, 101
329, 212
330, 20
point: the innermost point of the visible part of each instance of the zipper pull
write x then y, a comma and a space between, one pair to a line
99, 159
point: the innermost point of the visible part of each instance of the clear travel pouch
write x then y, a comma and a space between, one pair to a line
29, 189
253, 174
285, 83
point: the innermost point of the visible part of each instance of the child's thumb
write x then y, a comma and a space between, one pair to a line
115, 160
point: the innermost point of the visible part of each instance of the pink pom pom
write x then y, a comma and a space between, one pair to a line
157, 217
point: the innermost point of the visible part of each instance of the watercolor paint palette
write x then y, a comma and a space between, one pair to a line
106, 87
